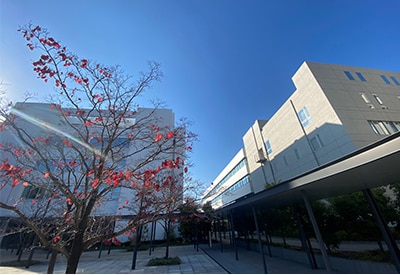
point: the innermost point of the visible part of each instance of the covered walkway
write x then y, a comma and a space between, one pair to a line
372, 166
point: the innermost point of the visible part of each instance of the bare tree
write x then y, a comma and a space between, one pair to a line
75, 168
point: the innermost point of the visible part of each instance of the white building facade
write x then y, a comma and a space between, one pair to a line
43, 120
334, 111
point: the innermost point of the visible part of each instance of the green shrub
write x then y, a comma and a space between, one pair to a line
164, 261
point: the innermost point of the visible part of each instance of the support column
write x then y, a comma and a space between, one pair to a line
220, 235
151, 237
303, 238
317, 232
234, 236
390, 242
260, 246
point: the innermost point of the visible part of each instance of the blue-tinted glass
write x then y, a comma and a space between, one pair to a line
268, 145
395, 80
304, 116
349, 76
385, 79
361, 77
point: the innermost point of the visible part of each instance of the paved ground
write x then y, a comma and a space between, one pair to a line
194, 261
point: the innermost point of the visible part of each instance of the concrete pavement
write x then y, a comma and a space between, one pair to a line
203, 260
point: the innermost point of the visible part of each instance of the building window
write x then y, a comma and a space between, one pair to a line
395, 80
365, 98
304, 116
395, 126
379, 128
297, 153
385, 79
33, 192
268, 146
349, 76
316, 143
378, 99
361, 77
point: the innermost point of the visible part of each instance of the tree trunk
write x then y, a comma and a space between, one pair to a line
167, 243
52, 262
75, 255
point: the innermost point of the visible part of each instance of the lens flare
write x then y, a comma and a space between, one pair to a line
52, 128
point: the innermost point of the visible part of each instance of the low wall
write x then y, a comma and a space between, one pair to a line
339, 265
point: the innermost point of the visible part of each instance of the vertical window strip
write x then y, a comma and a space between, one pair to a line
385, 79
316, 143
268, 146
395, 80
365, 98
349, 75
361, 77
378, 99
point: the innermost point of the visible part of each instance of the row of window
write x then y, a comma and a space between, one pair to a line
384, 128
369, 103
242, 163
244, 181
362, 78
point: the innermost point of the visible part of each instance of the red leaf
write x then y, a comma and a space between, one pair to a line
15, 182
170, 135
46, 175
95, 183
84, 63
158, 137
88, 123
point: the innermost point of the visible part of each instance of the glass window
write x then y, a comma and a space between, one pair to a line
365, 98
385, 79
361, 77
393, 128
316, 143
378, 99
349, 76
395, 80
304, 116
33, 192
269, 148
379, 128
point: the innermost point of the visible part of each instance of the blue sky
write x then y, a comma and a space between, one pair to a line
226, 63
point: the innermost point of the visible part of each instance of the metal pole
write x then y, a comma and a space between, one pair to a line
220, 235
317, 232
259, 240
303, 237
151, 237
393, 249
234, 237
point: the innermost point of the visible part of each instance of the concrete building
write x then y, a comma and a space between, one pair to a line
46, 124
334, 111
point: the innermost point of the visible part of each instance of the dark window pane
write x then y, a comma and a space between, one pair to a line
349, 76
385, 79
395, 80
361, 77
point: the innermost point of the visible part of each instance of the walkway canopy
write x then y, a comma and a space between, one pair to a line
375, 165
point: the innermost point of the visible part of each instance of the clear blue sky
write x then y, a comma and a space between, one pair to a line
226, 63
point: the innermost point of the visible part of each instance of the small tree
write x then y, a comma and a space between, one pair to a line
194, 220
90, 150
